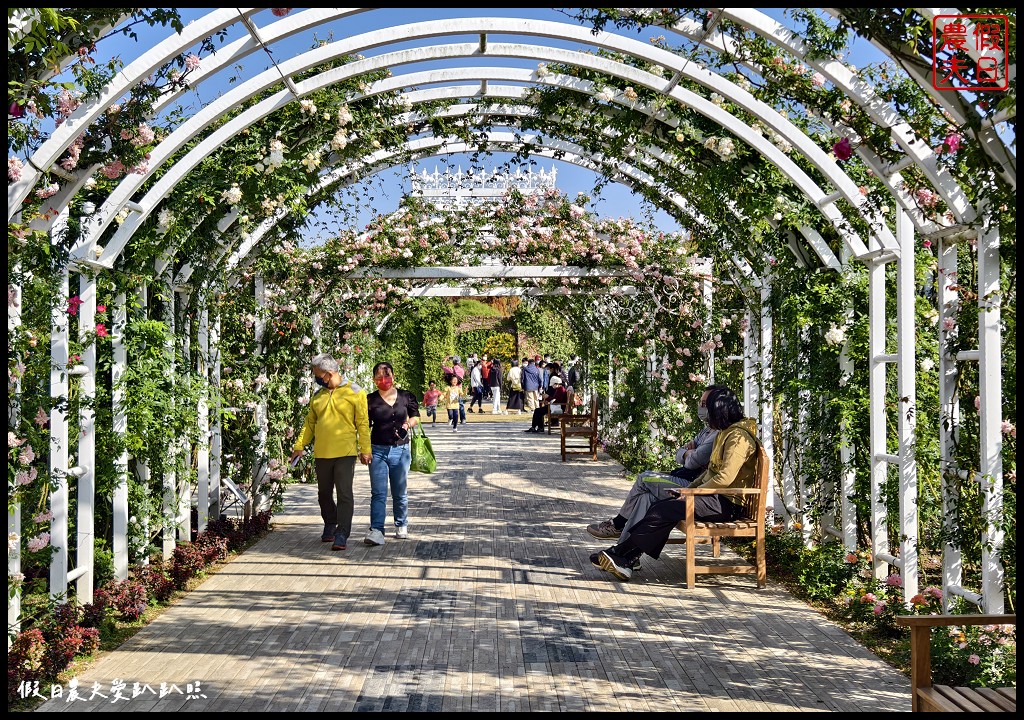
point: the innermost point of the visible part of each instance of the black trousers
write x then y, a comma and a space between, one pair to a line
651, 533
538, 417
335, 476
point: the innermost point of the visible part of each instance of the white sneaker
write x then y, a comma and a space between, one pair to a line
374, 537
402, 532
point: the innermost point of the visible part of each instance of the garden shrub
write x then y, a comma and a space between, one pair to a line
823, 570
213, 547
158, 585
95, 614
25, 660
974, 655
129, 598
186, 562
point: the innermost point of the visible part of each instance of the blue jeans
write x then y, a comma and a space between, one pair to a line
390, 463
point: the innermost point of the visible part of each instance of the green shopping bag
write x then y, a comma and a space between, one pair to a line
423, 459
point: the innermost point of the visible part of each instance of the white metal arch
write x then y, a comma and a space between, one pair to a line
916, 149
296, 22
648, 156
313, 57
132, 75
988, 138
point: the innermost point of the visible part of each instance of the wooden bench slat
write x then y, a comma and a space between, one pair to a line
997, 697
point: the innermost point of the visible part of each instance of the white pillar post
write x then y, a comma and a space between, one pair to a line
14, 506
751, 388
142, 465
876, 414
766, 394
906, 346
799, 452
59, 440
611, 379
85, 542
183, 491
990, 414
203, 419
119, 318
847, 515
708, 294
949, 416
169, 504
259, 467
216, 449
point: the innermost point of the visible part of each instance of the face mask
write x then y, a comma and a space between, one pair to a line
321, 382
702, 413
384, 384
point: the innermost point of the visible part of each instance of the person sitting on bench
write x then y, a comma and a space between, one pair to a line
733, 464
557, 396
651, 486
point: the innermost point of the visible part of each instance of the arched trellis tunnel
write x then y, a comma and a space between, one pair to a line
849, 228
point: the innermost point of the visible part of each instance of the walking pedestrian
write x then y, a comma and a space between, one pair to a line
338, 426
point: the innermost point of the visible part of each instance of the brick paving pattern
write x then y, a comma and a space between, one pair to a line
490, 605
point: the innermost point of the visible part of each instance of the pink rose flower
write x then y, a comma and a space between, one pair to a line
842, 149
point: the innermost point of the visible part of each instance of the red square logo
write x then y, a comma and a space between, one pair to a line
969, 52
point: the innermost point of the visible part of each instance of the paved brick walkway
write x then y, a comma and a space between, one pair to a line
491, 604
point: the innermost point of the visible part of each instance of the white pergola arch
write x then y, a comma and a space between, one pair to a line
847, 189
918, 152
879, 249
649, 157
988, 138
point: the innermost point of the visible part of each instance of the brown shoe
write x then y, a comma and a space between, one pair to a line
604, 530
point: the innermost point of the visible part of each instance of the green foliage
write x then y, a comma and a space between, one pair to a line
544, 330
823, 570
437, 328
501, 346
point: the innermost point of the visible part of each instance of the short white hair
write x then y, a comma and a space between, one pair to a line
325, 362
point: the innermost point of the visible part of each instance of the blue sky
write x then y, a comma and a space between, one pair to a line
387, 188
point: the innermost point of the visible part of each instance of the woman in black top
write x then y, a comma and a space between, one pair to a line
495, 380
392, 412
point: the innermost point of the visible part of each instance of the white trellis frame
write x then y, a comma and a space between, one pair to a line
988, 353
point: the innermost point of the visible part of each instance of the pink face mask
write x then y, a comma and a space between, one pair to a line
384, 384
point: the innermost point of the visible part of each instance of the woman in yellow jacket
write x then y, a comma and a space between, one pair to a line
338, 425
733, 464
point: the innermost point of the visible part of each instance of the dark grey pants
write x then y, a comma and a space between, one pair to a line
335, 475
651, 533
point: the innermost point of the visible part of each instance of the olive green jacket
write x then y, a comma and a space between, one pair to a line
734, 462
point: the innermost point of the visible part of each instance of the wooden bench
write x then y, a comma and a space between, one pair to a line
702, 532
554, 419
580, 427
926, 697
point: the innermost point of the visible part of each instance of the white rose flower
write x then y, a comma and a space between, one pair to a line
835, 335
233, 195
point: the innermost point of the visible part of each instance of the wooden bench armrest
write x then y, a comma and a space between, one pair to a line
718, 491
913, 621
